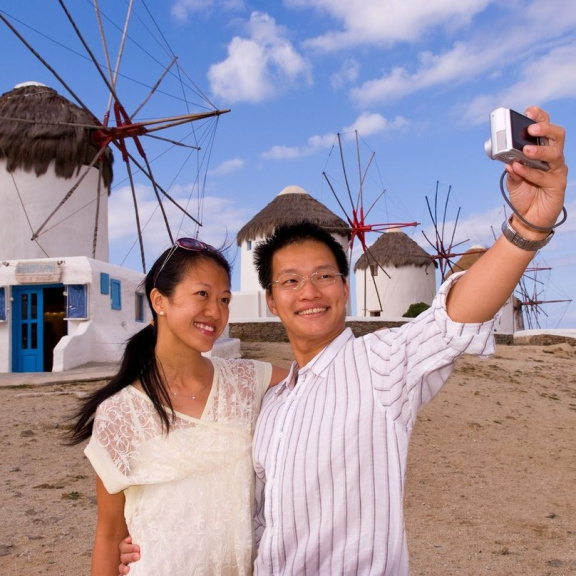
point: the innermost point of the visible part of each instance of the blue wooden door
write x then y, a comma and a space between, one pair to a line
27, 329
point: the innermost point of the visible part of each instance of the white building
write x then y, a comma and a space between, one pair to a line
394, 273
62, 304
60, 313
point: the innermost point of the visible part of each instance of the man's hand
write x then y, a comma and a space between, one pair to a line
536, 194
128, 553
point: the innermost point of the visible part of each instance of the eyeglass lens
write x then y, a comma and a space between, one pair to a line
293, 281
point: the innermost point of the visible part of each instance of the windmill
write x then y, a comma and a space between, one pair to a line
532, 295
385, 270
147, 110
118, 90
529, 301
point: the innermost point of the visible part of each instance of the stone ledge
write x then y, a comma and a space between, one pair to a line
274, 331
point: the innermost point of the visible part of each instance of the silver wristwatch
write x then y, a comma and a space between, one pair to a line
530, 245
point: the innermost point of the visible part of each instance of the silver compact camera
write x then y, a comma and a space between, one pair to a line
509, 135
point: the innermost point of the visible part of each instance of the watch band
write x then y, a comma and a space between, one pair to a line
529, 245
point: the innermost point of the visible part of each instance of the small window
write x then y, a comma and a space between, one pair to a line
2, 304
139, 317
104, 283
116, 294
374, 269
76, 302
249, 245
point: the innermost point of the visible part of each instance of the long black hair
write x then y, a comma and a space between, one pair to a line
139, 358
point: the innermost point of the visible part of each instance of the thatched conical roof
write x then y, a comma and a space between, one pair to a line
394, 249
291, 206
466, 260
38, 126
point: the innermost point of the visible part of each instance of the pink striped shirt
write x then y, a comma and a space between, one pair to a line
330, 452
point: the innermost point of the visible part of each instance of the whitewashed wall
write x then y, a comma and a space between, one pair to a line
407, 285
69, 233
101, 337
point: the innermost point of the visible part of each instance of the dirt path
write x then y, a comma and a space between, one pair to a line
490, 488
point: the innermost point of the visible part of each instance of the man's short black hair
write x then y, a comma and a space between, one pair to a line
288, 234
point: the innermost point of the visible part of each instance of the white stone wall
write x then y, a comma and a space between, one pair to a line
69, 232
248, 276
405, 286
101, 337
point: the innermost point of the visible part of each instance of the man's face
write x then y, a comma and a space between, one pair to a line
313, 315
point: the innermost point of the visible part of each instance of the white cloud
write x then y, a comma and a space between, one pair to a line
314, 144
382, 22
545, 79
221, 219
499, 48
228, 166
347, 74
463, 62
181, 9
258, 67
366, 124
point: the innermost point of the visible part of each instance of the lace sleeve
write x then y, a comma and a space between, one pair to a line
116, 433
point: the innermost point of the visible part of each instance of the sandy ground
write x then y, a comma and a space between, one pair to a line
491, 479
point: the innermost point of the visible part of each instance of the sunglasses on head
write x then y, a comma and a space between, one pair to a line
191, 244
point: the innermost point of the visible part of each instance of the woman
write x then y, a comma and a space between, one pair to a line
170, 435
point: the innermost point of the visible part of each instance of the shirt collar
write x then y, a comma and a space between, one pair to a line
319, 363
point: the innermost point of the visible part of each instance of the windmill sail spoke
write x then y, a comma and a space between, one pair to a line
104, 48
97, 215
44, 63
68, 194
137, 216
376, 200
155, 87
173, 142
334, 193
89, 51
159, 199
151, 178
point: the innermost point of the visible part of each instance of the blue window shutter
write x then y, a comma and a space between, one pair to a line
116, 294
104, 283
77, 301
2, 304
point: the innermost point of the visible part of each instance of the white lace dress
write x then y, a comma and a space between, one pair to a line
189, 494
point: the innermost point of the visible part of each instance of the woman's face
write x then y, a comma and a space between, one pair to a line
197, 312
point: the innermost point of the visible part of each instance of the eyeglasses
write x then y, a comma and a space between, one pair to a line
191, 244
293, 281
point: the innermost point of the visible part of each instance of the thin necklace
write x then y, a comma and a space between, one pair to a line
191, 396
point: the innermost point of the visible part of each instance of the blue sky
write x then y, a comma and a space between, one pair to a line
416, 79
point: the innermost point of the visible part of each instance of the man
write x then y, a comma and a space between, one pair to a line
331, 443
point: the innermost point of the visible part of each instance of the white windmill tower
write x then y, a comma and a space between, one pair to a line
392, 274
54, 195
61, 303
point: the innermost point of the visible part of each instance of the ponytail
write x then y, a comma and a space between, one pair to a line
138, 363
